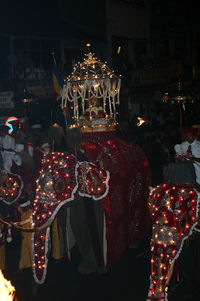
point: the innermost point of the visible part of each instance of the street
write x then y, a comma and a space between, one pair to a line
126, 280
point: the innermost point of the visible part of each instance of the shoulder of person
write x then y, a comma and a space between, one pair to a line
184, 143
197, 143
9, 138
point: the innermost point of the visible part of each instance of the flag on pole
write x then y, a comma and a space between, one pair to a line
57, 81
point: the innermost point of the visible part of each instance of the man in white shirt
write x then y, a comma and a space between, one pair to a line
8, 149
192, 146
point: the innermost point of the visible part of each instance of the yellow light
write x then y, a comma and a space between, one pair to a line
140, 121
6, 289
119, 49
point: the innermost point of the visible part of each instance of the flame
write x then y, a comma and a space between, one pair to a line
140, 121
6, 289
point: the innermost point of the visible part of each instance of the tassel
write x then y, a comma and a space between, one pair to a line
9, 235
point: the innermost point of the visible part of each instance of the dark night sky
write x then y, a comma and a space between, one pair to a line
22, 16
41, 15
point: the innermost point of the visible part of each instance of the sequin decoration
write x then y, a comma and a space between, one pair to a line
11, 186
173, 207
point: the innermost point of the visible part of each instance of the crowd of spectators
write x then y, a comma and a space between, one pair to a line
157, 136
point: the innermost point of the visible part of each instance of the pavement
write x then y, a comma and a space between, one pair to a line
127, 280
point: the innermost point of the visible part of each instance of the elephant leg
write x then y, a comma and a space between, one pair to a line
83, 235
183, 290
196, 246
95, 220
56, 248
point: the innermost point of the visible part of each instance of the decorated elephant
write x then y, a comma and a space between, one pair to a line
62, 179
116, 176
125, 206
174, 208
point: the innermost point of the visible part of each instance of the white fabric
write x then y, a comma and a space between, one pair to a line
19, 147
8, 142
195, 149
30, 150
36, 126
45, 147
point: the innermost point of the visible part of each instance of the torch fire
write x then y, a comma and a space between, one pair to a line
7, 291
140, 121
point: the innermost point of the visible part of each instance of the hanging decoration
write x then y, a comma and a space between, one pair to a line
93, 91
174, 210
60, 179
179, 96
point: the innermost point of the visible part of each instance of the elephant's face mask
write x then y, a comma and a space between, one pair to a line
61, 179
174, 213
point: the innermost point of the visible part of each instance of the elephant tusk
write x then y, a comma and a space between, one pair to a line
170, 272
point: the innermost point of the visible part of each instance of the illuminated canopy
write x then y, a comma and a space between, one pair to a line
91, 78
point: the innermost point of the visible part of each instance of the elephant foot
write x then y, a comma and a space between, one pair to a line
136, 244
102, 270
86, 268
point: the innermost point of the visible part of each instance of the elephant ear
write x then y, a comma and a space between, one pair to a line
11, 186
174, 220
92, 181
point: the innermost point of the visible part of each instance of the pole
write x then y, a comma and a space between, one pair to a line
181, 123
26, 121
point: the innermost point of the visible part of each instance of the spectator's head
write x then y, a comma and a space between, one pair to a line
74, 137
37, 132
36, 128
190, 134
56, 134
3, 130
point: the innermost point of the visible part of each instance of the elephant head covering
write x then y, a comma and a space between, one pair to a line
174, 210
62, 178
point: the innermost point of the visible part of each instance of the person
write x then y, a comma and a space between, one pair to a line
95, 110
57, 139
41, 146
156, 156
25, 211
2, 248
191, 147
17, 132
8, 149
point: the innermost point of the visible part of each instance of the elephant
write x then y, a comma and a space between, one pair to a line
105, 184
61, 179
125, 207
174, 209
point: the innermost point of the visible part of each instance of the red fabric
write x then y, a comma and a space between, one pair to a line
190, 130
125, 206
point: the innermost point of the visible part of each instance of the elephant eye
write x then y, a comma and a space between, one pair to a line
59, 186
183, 222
